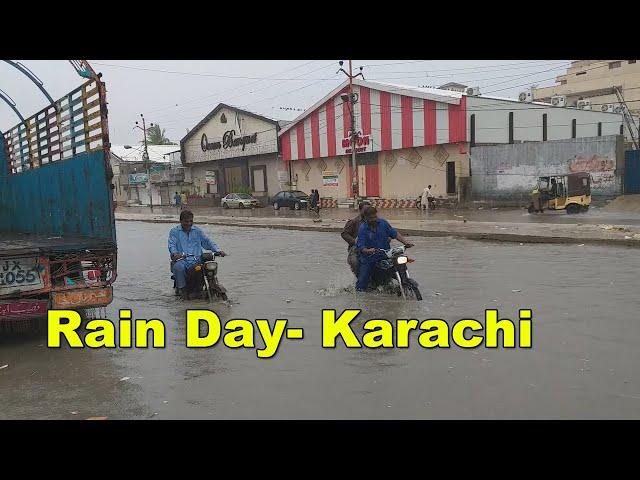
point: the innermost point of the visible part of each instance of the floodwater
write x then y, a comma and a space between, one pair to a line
583, 364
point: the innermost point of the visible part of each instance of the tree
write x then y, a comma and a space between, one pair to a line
155, 136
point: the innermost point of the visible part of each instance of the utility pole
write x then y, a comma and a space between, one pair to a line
145, 158
352, 99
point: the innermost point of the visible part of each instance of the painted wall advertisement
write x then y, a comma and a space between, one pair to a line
329, 179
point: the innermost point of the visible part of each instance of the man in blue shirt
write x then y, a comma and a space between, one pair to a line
374, 233
186, 244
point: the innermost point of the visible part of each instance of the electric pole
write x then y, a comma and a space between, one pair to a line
352, 100
145, 158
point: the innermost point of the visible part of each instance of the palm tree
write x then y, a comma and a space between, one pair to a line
155, 136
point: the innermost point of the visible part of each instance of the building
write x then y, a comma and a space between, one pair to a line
410, 137
592, 84
594, 80
233, 150
132, 183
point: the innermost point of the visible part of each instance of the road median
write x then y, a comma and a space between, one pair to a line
621, 235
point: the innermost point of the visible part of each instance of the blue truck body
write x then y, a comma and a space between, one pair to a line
57, 225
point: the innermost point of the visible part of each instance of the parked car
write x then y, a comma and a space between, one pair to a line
293, 199
239, 200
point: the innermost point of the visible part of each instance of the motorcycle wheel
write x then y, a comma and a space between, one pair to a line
416, 292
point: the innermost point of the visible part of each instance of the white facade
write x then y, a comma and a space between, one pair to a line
491, 117
231, 150
242, 125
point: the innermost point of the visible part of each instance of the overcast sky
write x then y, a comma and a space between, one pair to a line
176, 94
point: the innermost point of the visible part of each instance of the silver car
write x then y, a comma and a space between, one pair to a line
239, 200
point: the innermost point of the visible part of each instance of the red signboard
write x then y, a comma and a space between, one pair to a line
24, 308
362, 142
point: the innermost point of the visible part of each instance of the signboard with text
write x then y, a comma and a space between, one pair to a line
330, 179
138, 178
362, 143
210, 177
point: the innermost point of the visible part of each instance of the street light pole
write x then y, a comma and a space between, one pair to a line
352, 100
145, 158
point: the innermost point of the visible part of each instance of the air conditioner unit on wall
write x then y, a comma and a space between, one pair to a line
559, 101
473, 91
526, 96
608, 107
583, 104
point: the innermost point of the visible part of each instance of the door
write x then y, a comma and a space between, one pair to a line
234, 178
259, 179
372, 176
631, 172
451, 178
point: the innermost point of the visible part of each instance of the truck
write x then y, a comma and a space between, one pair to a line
58, 246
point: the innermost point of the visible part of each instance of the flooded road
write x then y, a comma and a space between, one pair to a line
583, 364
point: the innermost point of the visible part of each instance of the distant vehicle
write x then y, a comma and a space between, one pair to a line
240, 200
570, 192
295, 199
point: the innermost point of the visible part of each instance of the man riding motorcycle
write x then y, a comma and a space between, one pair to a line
186, 244
374, 234
349, 235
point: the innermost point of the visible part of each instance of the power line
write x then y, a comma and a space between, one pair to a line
235, 88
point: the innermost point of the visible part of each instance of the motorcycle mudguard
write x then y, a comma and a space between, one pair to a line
412, 282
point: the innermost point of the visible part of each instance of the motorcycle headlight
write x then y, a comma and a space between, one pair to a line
211, 266
402, 260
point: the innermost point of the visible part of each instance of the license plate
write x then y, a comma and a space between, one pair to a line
84, 297
24, 308
21, 275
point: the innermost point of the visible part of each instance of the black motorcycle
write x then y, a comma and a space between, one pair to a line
202, 278
391, 272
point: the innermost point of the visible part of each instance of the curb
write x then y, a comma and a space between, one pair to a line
479, 236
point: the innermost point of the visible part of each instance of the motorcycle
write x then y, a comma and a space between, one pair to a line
392, 272
432, 203
203, 278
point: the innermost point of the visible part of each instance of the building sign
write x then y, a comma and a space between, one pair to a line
329, 179
86, 297
362, 143
210, 177
229, 140
24, 308
138, 178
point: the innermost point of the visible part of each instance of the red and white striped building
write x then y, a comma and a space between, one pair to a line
408, 138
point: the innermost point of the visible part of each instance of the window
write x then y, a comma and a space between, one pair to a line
544, 127
581, 73
599, 129
563, 82
621, 129
510, 127
472, 128
574, 128
613, 65
631, 61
